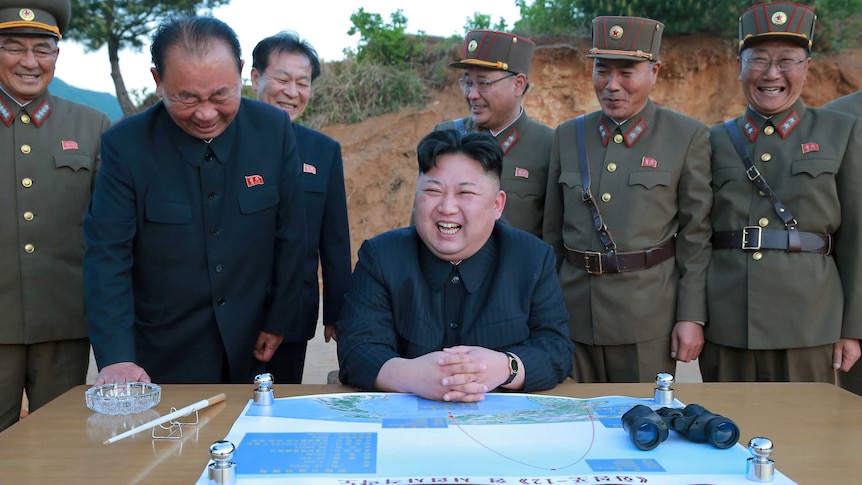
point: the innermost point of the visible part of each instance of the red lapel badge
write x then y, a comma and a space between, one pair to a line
309, 168
810, 147
522, 172
69, 145
252, 180
649, 162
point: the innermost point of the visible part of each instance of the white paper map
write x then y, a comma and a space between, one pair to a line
383, 438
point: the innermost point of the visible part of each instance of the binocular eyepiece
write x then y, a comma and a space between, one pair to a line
648, 428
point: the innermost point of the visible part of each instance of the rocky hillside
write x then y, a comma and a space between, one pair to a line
698, 77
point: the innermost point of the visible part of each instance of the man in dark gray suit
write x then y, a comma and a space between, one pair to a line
459, 304
284, 68
196, 227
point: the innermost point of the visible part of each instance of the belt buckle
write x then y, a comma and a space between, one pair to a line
750, 241
593, 260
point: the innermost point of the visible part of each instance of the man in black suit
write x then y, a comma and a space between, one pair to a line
192, 267
283, 70
459, 304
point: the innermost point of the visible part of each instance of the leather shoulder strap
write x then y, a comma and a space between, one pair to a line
604, 234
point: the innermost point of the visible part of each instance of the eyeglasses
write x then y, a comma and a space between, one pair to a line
39, 52
763, 64
482, 86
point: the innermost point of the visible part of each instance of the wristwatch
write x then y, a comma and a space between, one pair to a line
513, 369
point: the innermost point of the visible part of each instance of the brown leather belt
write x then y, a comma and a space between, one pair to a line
754, 238
596, 263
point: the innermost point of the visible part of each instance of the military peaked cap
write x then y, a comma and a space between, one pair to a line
778, 20
496, 50
632, 38
47, 17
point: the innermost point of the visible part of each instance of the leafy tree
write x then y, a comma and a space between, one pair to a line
121, 24
386, 44
482, 21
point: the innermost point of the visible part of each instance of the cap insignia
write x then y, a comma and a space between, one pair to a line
616, 32
779, 18
472, 46
26, 14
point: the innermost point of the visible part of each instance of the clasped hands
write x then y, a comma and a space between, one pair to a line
461, 373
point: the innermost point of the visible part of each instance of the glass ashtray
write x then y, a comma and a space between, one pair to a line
123, 398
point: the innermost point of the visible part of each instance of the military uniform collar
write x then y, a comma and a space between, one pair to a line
508, 137
753, 123
472, 270
38, 108
193, 150
632, 129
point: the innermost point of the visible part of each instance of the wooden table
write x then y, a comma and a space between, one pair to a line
816, 429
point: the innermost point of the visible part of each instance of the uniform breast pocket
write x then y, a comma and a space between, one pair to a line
258, 200
815, 167
166, 212
722, 176
74, 161
571, 179
650, 179
523, 188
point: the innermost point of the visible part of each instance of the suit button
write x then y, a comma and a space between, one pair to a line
215, 231
456, 280
220, 301
757, 256
212, 195
769, 130
25, 118
29, 248
219, 268
25, 149
763, 222
453, 324
606, 197
612, 167
28, 216
27, 182
766, 157
618, 138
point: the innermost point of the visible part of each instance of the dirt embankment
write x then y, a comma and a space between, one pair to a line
698, 78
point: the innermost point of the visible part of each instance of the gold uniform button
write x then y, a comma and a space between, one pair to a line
769, 130
612, 167
606, 197
25, 118
27, 182
618, 138
763, 222
25, 149
28, 216
29, 248
766, 157
757, 256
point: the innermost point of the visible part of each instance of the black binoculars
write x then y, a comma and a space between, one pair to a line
648, 428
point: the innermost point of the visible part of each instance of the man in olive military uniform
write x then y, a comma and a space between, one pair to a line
49, 154
784, 285
496, 66
851, 104
635, 285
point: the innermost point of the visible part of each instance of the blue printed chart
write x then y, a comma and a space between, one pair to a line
383, 438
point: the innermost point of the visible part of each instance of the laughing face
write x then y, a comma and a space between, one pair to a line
773, 90
623, 86
26, 76
456, 206
286, 83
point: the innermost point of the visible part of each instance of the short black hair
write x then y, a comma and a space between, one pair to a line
285, 42
479, 146
195, 35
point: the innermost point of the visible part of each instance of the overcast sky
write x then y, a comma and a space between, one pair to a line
324, 23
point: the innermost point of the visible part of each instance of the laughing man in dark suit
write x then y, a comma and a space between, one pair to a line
459, 304
283, 70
